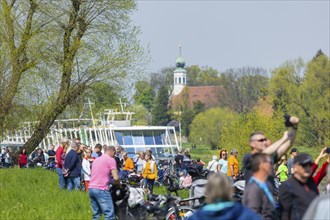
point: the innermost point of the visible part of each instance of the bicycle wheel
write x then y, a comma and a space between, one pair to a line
184, 213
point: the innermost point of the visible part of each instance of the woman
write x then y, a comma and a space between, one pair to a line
139, 162
282, 172
223, 162
218, 194
86, 167
149, 173
186, 158
22, 158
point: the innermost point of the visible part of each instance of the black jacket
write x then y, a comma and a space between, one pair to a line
295, 197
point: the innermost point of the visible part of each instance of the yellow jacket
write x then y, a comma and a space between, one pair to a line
149, 170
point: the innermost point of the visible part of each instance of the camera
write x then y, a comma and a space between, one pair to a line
327, 150
287, 121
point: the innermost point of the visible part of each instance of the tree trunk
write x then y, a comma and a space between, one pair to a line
54, 110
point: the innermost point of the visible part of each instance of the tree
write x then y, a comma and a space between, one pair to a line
78, 43
164, 78
207, 126
144, 94
236, 135
160, 114
304, 90
142, 116
15, 59
243, 88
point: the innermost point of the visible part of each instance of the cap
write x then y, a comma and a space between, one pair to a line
302, 159
214, 157
293, 150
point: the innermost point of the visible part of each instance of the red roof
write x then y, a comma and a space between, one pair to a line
209, 95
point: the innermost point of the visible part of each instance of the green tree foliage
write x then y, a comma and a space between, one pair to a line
236, 135
160, 114
67, 46
207, 127
243, 88
198, 107
206, 76
141, 117
304, 90
144, 94
192, 74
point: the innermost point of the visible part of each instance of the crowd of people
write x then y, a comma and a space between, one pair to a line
276, 187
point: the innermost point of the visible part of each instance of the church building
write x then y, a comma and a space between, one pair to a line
188, 95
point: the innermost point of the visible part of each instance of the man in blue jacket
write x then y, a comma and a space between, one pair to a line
72, 168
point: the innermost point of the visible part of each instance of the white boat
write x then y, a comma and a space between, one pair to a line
113, 128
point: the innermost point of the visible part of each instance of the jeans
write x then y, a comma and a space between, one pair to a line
61, 180
148, 183
101, 202
73, 183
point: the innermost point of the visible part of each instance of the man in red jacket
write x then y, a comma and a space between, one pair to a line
59, 159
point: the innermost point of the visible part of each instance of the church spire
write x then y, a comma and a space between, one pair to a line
180, 74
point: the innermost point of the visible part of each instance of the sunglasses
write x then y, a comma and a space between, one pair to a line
261, 140
306, 164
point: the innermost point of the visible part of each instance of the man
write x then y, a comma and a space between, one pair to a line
299, 190
98, 189
233, 166
258, 143
59, 165
289, 163
97, 152
72, 167
258, 195
319, 208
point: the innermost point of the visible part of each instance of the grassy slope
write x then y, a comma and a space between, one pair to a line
34, 194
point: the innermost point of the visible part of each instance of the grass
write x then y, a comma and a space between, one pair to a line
34, 194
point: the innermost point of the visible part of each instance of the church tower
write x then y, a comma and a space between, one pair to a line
180, 75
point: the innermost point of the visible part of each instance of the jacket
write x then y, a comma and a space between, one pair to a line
72, 163
295, 197
224, 210
149, 170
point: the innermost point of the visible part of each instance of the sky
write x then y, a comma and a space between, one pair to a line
232, 34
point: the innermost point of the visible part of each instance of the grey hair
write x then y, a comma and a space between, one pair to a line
109, 148
218, 188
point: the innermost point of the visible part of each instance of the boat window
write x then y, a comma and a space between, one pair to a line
127, 137
119, 137
148, 138
158, 137
138, 138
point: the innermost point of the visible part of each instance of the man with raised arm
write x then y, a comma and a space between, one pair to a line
258, 144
